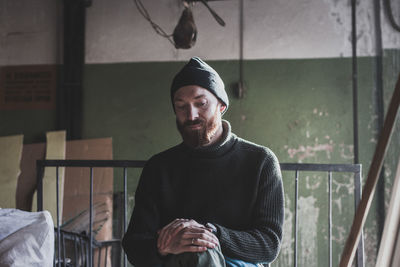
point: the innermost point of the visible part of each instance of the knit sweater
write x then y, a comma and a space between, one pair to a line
234, 184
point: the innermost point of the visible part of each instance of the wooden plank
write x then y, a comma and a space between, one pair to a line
372, 179
77, 185
10, 156
55, 149
26, 186
396, 250
391, 225
77, 190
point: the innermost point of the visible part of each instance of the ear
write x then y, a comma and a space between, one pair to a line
222, 108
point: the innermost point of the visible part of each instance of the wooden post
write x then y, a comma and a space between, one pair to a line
391, 224
372, 179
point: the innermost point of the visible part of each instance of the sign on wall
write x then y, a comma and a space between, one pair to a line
27, 87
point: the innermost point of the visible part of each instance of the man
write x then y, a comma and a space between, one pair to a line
213, 200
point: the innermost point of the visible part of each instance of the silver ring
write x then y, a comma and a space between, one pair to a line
192, 241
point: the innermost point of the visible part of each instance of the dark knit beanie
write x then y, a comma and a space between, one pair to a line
197, 72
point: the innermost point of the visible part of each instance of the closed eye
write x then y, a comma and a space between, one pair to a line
202, 104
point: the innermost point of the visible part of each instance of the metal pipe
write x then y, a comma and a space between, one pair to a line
75, 250
63, 246
107, 255
380, 192
39, 186
99, 258
330, 216
357, 198
354, 77
241, 28
125, 209
296, 217
91, 220
58, 218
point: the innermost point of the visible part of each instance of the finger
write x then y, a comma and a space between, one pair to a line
201, 243
164, 230
171, 230
195, 224
195, 230
207, 236
176, 227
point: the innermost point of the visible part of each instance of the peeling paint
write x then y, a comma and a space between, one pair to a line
294, 124
340, 234
308, 245
346, 151
347, 184
338, 203
370, 243
305, 152
313, 183
287, 251
373, 120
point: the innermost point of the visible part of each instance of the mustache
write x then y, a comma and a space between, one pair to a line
193, 122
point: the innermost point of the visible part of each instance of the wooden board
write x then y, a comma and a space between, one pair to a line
10, 156
77, 188
392, 223
372, 179
77, 181
27, 179
55, 149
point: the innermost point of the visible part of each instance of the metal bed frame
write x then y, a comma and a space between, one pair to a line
85, 244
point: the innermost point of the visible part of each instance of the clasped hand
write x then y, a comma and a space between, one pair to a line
183, 235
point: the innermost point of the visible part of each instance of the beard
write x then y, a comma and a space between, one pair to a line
202, 136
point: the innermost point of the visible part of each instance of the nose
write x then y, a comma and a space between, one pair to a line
192, 113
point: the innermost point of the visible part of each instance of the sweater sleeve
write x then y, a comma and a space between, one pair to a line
140, 240
261, 242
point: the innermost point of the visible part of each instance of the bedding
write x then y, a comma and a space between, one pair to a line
26, 238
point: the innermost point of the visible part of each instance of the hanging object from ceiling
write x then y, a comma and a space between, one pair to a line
213, 13
185, 32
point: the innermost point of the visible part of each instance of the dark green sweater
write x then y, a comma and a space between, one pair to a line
235, 184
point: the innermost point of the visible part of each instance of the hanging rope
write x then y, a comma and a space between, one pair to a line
155, 26
389, 12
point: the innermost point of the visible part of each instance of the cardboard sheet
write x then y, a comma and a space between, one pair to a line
10, 156
77, 181
27, 179
76, 184
55, 149
77, 190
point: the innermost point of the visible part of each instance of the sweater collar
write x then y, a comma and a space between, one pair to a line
226, 142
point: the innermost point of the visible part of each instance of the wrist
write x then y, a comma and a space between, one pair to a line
162, 253
212, 228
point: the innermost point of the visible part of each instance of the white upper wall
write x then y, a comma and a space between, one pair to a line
116, 32
28, 32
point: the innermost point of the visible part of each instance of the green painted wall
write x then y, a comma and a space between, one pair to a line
301, 109
32, 123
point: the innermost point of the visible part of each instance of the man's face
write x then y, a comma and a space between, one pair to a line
198, 115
